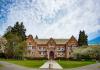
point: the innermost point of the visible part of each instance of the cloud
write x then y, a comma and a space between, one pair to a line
56, 18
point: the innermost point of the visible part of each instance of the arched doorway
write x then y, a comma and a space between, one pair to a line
51, 55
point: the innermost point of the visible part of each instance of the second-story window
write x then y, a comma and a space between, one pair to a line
30, 47
29, 43
41, 48
62, 49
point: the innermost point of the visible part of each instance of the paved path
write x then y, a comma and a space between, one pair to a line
87, 67
10, 66
52, 64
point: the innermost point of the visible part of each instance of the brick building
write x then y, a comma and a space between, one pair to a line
50, 48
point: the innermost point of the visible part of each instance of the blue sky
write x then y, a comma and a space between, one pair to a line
52, 18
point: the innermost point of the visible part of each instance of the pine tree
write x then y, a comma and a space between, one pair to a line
82, 40
36, 37
20, 30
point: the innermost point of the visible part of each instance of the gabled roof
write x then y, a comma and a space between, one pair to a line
41, 41
72, 38
44, 41
61, 41
57, 41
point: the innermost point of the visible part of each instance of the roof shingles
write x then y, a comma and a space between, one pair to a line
44, 41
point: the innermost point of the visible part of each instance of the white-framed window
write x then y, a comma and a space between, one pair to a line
33, 47
60, 54
42, 53
30, 47
42, 48
62, 49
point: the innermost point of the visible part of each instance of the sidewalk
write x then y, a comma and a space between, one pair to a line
53, 64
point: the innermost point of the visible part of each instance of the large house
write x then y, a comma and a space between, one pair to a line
50, 48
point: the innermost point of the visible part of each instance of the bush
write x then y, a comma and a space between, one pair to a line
87, 53
34, 58
60, 58
2, 55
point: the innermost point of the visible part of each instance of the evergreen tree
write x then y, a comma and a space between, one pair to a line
36, 37
15, 35
20, 30
82, 40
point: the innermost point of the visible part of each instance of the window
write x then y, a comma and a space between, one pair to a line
29, 52
30, 47
58, 48
41, 53
33, 47
32, 52
29, 43
62, 49
42, 49
61, 54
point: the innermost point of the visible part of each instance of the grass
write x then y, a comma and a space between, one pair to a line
38, 63
0, 65
73, 64
27, 63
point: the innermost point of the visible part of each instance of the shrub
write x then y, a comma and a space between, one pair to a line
34, 58
91, 52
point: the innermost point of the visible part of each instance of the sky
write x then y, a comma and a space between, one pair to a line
52, 18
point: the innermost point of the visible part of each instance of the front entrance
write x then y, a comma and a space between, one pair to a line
51, 55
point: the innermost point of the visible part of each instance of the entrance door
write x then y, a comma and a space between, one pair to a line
51, 55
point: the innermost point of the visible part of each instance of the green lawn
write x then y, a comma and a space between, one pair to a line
73, 64
0, 65
38, 63
27, 63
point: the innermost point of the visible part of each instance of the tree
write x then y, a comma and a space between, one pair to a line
15, 36
20, 50
20, 30
3, 43
36, 37
82, 40
10, 48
